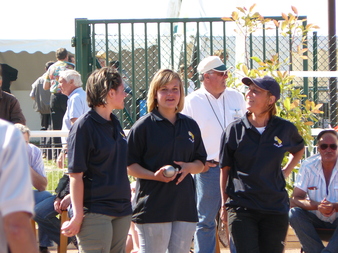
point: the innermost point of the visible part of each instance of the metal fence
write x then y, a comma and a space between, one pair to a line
54, 173
143, 46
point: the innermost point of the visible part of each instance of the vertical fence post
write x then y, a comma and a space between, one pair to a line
333, 61
82, 48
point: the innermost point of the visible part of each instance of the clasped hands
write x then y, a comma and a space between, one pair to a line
326, 208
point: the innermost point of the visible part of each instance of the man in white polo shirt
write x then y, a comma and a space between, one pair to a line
71, 85
213, 107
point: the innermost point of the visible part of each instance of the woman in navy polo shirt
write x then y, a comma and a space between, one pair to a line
97, 166
165, 213
252, 180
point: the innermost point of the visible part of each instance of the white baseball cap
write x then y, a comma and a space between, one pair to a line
211, 63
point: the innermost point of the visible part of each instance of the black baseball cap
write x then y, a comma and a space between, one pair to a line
266, 83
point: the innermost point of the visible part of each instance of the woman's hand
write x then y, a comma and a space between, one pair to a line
189, 168
72, 227
207, 167
159, 176
224, 215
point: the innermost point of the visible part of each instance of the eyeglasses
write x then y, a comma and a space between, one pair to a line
222, 74
325, 146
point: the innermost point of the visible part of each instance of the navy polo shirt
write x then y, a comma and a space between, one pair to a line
256, 180
153, 142
98, 148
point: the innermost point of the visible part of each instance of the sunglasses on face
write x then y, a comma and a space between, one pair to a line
225, 73
325, 146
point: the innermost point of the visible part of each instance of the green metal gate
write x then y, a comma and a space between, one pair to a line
143, 46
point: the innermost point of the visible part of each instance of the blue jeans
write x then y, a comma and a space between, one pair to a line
39, 198
304, 224
49, 224
257, 232
208, 198
171, 237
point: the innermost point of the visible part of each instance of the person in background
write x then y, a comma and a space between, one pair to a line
70, 84
71, 58
10, 109
165, 212
314, 200
41, 99
220, 54
16, 195
213, 106
190, 73
97, 162
58, 101
47, 210
255, 202
39, 182
101, 58
9, 74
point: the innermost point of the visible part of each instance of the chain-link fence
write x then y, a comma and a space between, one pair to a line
140, 47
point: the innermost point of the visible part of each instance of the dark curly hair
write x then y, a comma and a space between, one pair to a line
99, 83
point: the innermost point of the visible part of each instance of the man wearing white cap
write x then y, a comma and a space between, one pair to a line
213, 106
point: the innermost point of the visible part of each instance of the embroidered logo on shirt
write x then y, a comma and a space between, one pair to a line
192, 137
278, 143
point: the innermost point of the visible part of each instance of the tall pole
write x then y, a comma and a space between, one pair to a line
333, 62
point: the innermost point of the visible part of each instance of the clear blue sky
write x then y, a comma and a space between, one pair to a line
41, 19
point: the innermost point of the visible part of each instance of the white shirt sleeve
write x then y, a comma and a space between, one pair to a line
16, 192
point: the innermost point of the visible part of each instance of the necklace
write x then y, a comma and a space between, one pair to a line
218, 119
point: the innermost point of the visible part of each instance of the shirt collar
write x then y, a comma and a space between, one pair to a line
158, 117
74, 91
247, 123
98, 118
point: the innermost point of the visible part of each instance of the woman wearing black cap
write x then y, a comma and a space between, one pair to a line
252, 180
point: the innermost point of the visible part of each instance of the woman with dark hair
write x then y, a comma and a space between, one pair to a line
97, 167
252, 180
165, 213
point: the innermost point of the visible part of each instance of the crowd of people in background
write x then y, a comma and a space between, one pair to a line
197, 154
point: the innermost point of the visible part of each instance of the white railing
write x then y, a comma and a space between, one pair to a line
54, 173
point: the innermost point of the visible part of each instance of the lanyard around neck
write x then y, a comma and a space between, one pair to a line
218, 119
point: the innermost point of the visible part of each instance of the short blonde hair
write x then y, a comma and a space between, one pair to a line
161, 78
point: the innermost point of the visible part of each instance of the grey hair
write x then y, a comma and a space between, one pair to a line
24, 129
69, 75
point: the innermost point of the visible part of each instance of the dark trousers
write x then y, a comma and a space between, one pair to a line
45, 142
257, 232
58, 107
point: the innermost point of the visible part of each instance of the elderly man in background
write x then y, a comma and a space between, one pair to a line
16, 196
70, 85
214, 106
10, 109
315, 196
